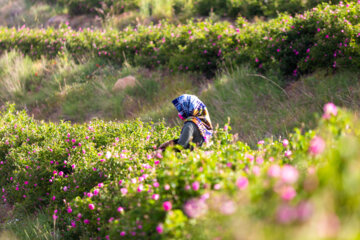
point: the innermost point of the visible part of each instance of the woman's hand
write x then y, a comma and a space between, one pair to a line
167, 144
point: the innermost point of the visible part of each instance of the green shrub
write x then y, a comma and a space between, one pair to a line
325, 37
104, 179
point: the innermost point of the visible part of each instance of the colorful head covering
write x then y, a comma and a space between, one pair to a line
191, 108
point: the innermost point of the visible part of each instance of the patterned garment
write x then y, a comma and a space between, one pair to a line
191, 108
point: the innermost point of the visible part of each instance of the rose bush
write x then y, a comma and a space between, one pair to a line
107, 181
325, 37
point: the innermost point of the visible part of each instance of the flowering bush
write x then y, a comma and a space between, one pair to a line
324, 37
106, 180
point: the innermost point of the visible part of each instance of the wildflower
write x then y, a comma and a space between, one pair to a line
167, 206
288, 153
242, 182
274, 171
91, 206
317, 145
329, 109
123, 191
195, 186
304, 211
259, 160
160, 229
285, 142
256, 170
195, 208
288, 193
286, 214
120, 209
289, 174
155, 196
249, 157
228, 207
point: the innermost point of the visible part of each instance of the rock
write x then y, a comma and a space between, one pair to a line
85, 21
56, 21
122, 83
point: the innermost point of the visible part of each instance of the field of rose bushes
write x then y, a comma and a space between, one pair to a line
106, 180
325, 37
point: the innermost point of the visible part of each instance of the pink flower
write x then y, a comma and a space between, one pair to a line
69, 210
217, 186
289, 174
288, 153
249, 157
242, 182
96, 192
329, 109
274, 171
195, 208
195, 186
288, 193
155, 196
122, 233
228, 207
259, 160
304, 211
91, 206
123, 191
256, 170
167, 206
86, 221
286, 214
285, 142
120, 209
317, 145
160, 229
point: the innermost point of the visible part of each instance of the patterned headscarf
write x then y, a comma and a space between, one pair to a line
191, 108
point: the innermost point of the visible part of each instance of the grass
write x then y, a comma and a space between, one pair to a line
16, 13
258, 107
30, 227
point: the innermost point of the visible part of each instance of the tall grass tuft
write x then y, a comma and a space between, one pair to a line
40, 227
15, 70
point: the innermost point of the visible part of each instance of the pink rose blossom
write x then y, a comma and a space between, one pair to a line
242, 182
274, 171
317, 145
195, 186
288, 193
329, 110
160, 229
289, 174
167, 206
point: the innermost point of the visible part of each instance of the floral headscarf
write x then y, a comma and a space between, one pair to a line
191, 108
